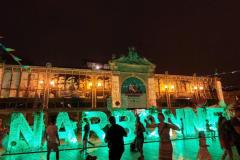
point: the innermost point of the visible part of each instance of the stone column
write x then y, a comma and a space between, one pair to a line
116, 96
151, 100
1, 76
219, 91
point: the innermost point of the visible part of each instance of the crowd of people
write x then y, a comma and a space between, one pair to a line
228, 133
228, 130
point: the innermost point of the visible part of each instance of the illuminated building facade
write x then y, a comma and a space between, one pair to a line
129, 82
126, 82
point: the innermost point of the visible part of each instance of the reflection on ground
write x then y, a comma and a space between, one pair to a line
183, 149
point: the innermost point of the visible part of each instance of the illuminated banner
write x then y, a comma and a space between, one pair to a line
23, 137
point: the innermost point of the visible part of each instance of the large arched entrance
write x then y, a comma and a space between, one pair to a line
133, 92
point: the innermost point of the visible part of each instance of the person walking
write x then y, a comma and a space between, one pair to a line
114, 138
85, 138
165, 149
203, 153
235, 122
52, 137
139, 137
225, 138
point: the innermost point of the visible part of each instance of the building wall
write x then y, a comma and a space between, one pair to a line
38, 82
172, 87
94, 87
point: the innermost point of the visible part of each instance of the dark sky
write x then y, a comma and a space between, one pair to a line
182, 37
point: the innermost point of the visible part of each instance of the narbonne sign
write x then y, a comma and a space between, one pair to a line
23, 136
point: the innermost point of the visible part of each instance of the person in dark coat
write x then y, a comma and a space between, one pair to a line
235, 122
114, 138
225, 138
139, 136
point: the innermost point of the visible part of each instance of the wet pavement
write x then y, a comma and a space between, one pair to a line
182, 150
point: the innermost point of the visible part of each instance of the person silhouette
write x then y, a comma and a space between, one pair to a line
203, 151
139, 136
114, 138
225, 137
209, 129
182, 127
52, 137
235, 123
165, 149
86, 136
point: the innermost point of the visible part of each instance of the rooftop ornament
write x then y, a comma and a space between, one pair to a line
125, 63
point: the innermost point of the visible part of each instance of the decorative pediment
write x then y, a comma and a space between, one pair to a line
132, 63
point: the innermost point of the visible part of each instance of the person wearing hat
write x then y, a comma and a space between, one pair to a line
235, 121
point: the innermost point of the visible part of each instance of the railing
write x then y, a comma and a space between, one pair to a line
178, 103
36, 103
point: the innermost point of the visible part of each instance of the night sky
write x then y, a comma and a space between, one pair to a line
182, 37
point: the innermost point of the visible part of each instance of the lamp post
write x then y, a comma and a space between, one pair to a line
197, 91
47, 86
93, 85
168, 96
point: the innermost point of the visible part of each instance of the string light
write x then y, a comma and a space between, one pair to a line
224, 73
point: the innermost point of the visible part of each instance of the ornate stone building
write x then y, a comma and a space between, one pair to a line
130, 82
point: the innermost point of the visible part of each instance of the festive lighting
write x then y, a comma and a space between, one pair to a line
30, 138
90, 84
10, 50
52, 83
166, 87
201, 87
172, 87
69, 126
99, 84
97, 67
96, 127
23, 137
145, 115
195, 87
127, 120
41, 82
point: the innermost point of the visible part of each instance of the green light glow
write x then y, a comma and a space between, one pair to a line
149, 135
23, 138
30, 138
128, 122
194, 122
96, 127
68, 135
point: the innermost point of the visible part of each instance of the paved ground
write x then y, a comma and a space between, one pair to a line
183, 150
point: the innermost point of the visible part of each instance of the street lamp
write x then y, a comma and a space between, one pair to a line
93, 87
196, 91
99, 84
46, 91
41, 82
168, 95
52, 83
